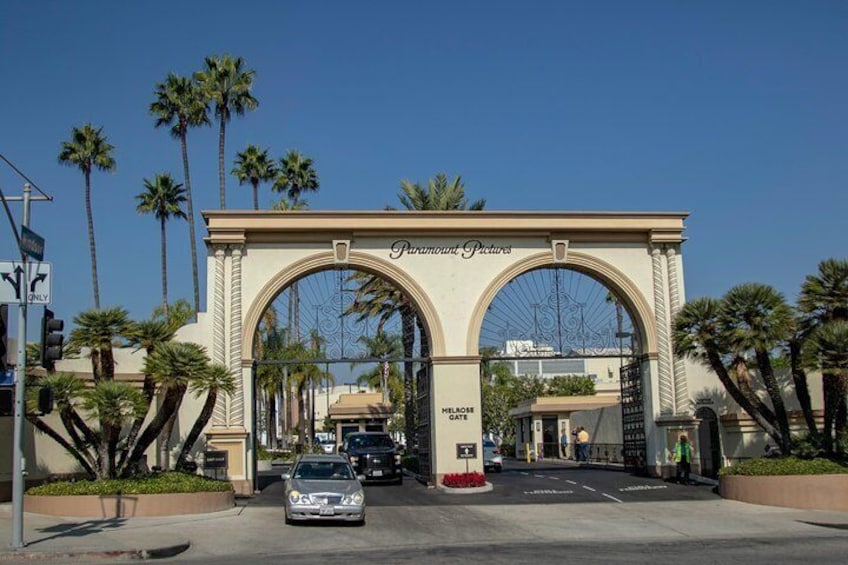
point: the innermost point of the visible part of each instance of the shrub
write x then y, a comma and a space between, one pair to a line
160, 483
412, 463
464, 480
785, 466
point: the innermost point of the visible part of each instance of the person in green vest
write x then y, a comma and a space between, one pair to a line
683, 458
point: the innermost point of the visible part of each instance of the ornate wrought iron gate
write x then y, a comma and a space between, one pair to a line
423, 429
633, 419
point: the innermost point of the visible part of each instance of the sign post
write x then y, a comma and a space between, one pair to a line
466, 451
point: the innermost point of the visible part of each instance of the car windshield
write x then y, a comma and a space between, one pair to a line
321, 470
371, 441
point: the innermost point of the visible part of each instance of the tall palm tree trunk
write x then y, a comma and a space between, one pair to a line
197, 428
773, 390
164, 245
91, 245
221, 189
802, 389
154, 428
167, 432
255, 195
191, 234
831, 403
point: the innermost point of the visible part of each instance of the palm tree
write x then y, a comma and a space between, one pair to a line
97, 330
113, 404
181, 104
226, 83
89, 149
163, 199
440, 194
823, 300
254, 165
296, 176
699, 333
759, 320
829, 346
145, 335
179, 313
215, 380
173, 366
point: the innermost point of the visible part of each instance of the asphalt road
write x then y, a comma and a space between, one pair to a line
523, 483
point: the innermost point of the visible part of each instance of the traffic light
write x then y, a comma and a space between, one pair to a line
45, 400
4, 331
51, 339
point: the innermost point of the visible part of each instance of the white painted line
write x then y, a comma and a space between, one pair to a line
612, 497
539, 476
525, 474
570, 482
589, 488
554, 478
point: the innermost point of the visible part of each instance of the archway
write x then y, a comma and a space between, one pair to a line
709, 442
325, 333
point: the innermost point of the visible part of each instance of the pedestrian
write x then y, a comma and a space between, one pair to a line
574, 444
683, 459
583, 439
563, 443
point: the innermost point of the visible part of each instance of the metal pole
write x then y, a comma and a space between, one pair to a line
18, 461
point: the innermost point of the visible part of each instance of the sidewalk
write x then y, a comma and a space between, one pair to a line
54, 538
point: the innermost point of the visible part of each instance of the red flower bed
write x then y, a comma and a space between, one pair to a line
464, 480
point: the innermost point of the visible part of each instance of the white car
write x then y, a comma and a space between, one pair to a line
492, 458
328, 446
323, 487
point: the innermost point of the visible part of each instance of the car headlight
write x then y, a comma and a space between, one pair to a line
296, 498
356, 498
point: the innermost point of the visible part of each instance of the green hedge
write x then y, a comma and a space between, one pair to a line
785, 466
164, 483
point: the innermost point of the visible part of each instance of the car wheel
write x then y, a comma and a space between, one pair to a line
360, 523
399, 481
288, 520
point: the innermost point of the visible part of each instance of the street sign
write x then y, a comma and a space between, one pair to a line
466, 451
12, 280
214, 459
32, 244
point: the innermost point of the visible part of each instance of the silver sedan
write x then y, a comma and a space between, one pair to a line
323, 487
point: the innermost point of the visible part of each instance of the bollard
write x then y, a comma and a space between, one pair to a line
527, 451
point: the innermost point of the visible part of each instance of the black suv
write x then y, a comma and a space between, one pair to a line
374, 455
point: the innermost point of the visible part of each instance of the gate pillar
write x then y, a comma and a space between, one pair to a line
456, 415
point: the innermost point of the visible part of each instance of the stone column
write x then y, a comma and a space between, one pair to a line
220, 414
456, 414
237, 402
682, 402
665, 385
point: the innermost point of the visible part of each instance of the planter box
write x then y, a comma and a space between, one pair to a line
488, 487
816, 492
129, 505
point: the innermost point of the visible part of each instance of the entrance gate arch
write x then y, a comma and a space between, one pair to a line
451, 265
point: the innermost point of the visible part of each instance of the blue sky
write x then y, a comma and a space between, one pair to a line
735, 112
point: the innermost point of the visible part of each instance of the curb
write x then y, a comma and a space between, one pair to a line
466, 490
155, 553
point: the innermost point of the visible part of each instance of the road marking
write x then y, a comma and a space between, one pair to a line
554, 478
642, 487
525, 474
570, 482
612, 497
589, 488
548, 491
539, 476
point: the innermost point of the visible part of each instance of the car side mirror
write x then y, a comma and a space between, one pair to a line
360, 478
285, 476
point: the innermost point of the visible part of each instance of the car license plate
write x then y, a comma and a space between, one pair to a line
377, 473
326, 511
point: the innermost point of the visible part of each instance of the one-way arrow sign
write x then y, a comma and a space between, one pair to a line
12, 280
466, 451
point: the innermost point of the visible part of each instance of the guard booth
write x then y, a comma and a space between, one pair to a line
360, 412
